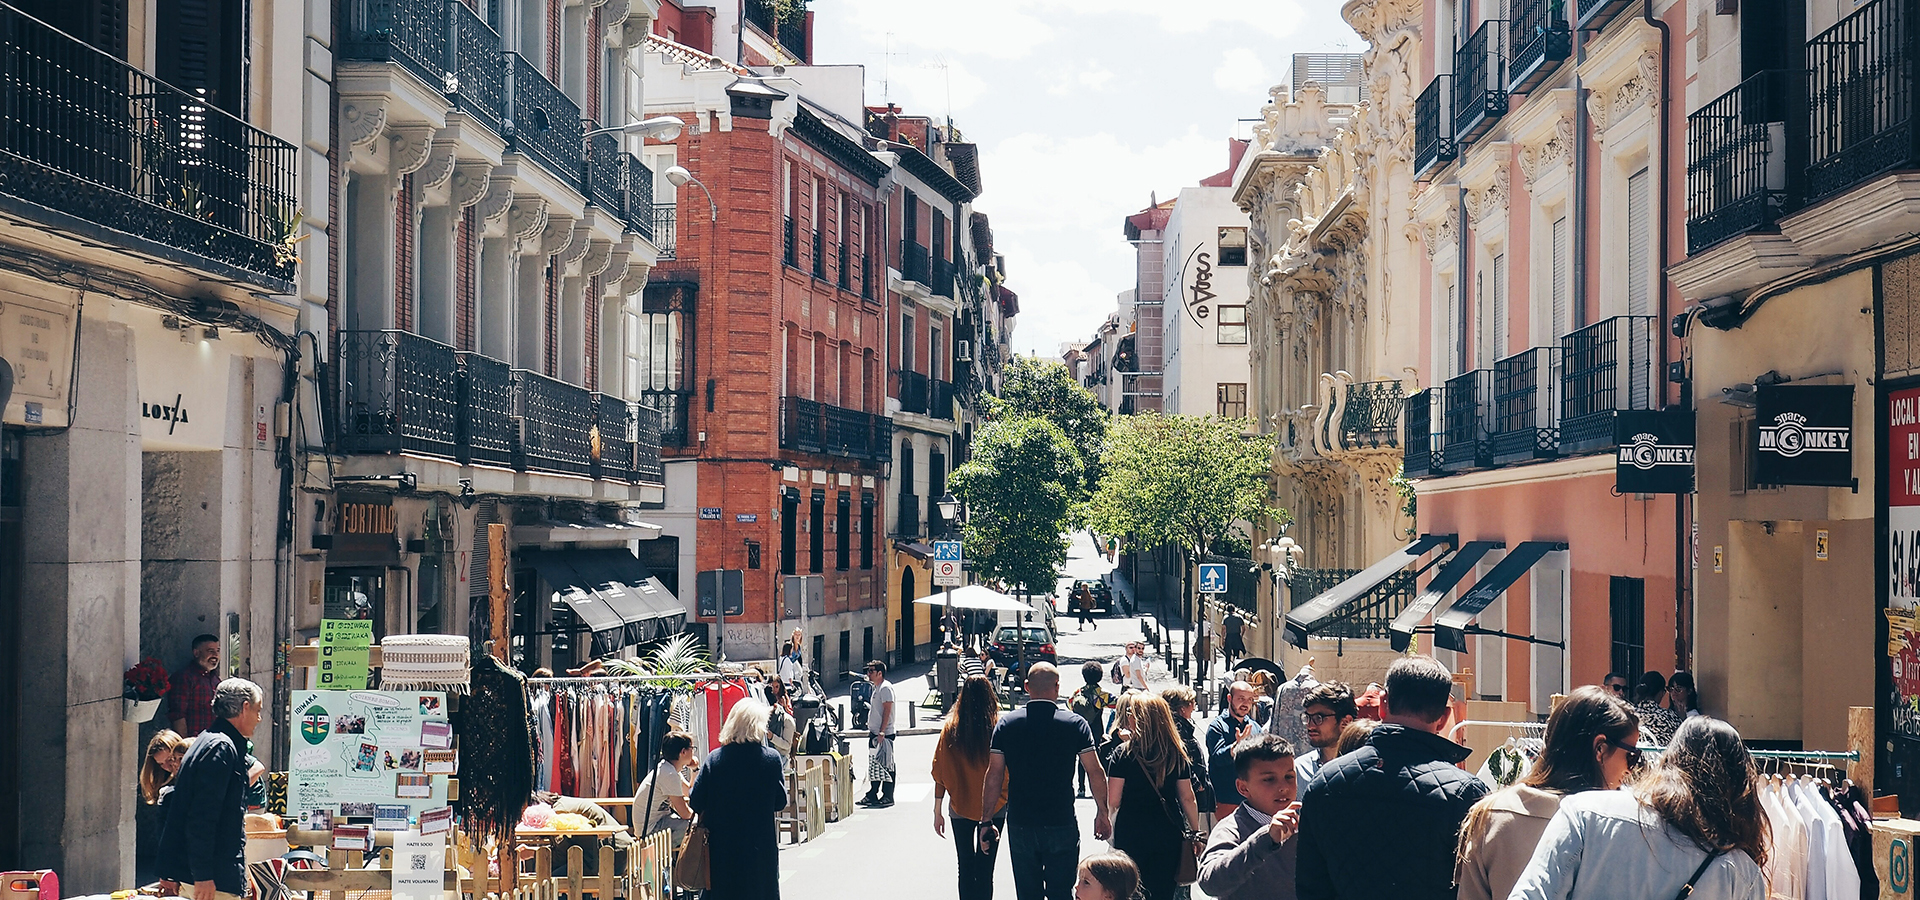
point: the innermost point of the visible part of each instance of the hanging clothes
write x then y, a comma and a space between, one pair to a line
1289, 707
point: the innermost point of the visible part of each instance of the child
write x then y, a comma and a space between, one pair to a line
1107, 876
1090, 702
1250, 855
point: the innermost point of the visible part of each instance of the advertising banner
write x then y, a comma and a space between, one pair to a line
353, 752
1903, 558
1656, 451
1805, 434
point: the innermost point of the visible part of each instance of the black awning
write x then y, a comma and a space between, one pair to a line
1400, 633
1450, 628
569, 587
1321, 611
650, 610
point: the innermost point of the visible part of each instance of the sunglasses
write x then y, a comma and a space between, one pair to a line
1633, 752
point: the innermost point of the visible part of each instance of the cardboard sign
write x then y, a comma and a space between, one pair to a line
419, 866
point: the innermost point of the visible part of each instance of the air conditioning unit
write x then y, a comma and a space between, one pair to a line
963, 351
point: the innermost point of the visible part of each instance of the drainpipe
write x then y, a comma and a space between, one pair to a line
1579, 217
1681, 534
1462, 300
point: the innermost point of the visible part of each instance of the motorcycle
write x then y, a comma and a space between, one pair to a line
859, 697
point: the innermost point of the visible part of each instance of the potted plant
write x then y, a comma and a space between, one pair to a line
143, 686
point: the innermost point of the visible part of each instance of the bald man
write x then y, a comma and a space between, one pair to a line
1034, 749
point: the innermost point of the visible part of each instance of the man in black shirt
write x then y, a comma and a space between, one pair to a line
1033, 754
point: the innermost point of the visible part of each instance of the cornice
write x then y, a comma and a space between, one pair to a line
840, 148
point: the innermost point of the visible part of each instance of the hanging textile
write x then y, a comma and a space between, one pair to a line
495, 727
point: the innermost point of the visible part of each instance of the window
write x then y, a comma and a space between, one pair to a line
866, 531
1233, 246
1232, 324
1499, 324
789, 512
817, 532
1562, 287
1627, 610
843, 525
1232, 400
1639, 245
656, 345
906, 343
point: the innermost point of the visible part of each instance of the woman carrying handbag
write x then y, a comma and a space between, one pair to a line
739, 793
1155, 817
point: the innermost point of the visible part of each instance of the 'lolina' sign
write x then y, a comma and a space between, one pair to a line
1199, 285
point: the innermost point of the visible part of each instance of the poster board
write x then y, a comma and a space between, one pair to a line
354, 750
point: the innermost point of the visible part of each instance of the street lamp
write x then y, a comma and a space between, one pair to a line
660, 128
681, 177
949, 507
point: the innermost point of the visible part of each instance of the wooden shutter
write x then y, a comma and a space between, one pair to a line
592, 322
552, 343
1639, 245
465, 261
403, 255
1499, 312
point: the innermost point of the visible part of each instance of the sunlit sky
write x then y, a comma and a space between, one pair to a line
1082, 109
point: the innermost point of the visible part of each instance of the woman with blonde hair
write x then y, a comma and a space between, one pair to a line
739, 792
164, 753
1149, 790
959, 776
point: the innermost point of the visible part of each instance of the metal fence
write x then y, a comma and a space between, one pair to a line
1372, 415
1860, 84
1433, 142
1740, 158
1523, 407
1480, 79
1606, 366
1469, 419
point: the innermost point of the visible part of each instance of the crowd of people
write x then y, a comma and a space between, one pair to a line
1372, 802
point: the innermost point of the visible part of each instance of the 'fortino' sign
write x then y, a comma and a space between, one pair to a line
1803, 434
1655, 453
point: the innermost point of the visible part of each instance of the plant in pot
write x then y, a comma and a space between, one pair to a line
143, 686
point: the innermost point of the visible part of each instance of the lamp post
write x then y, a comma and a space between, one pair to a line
1286, 554
681, 178
660, 128
949, 507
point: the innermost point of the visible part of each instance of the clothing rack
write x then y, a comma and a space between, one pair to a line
1453, 733
701, 677
1790, 755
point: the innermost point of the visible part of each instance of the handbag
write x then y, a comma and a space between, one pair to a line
693, 867
1686, 890
1186, 864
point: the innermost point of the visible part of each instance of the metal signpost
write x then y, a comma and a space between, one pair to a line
1212, 583
946, 573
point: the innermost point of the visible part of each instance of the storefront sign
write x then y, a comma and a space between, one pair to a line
36, 338
357, 750
1198, 285
184, 379
1805, 434
1656, 451
1903, 558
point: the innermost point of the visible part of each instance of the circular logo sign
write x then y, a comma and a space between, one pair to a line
1789, 439
314, 724
1643, 457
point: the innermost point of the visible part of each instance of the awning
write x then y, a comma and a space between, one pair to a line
915, 549
974, 596
1400, 633
614, 594
1450, 628
552, 532
1322, 611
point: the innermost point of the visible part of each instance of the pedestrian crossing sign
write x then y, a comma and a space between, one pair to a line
946, 551
1213, 578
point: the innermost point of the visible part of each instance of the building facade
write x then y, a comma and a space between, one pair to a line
1205, 334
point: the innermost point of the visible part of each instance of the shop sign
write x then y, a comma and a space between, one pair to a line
183, 386
1804, 434
1198, 285
1903, 558
36, 338
1656, 451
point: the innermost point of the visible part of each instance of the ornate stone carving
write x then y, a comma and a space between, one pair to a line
581, 244
362, 120
439, 166
527, 217
1437, 233
409, 147
615, 271
499, 198
636, 277
1609, 106
1482, 201
557, 236
1536, 158
468, 183
598, 255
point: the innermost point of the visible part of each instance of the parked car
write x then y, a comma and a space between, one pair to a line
1102, 595
1007, 643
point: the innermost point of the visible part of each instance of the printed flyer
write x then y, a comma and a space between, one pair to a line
353, 752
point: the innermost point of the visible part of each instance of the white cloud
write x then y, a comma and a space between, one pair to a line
1003, 29
1240, 69
1279, 18
931, 88
1074, 81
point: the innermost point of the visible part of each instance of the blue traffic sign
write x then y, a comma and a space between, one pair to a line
946, 551
1213, 578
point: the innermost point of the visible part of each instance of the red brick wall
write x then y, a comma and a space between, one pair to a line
692, 27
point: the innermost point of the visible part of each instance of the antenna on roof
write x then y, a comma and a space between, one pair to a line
886, 69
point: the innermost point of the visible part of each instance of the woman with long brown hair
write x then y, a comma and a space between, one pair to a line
1590, 744
165, 750
959, 775
1151, 796
1693, 819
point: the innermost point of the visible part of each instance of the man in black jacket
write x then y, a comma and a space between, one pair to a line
203, 843
1381, 822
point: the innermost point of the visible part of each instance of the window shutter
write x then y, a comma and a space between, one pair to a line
1482, 338
1499, 327
1639, 245
1562, 287
1453, 336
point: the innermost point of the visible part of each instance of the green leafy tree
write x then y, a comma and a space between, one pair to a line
1036, 388
1019, 487
1183, 481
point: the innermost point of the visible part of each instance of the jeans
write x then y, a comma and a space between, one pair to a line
1045, 860
976, 868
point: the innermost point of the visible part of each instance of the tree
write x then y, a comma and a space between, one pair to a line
1035, 388
1019, 487
1183, 481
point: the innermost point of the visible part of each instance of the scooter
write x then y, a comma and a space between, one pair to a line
858, 698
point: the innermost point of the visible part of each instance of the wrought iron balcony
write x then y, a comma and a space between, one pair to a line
788, 30
541, 121
1469, 420
792, 253
1480, 81
913, 262
479, 83
1364, 618
942, 285
1424, 453
940, 400
1606, 366
604, 173
412, 33
913, 393
637, 182
1595, 14
84, 136
396, 394
1740, 150
1433, 143
820, 254
814, 427
672, 407
1523, 406
666, 230
906, 519
403, 393
1541, 40
1372, 415
1860, 76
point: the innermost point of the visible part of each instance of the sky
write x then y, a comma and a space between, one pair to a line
1083, 110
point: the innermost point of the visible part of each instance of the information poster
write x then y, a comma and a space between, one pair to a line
344, 646
354, 752
1903, 558
419, 864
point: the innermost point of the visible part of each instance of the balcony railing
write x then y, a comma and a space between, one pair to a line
412, 33
1860, 77
940, 400
1541, 40
1433, 143
1424, 453
814, 427
1480, 80
672, 407
479, 68
1607, 366
1372, 415
792, 249
906, 518
541, 121
1469, 420
87, 136
1364, 618
666, 230
637, 183
789, 30
1595, 14
913, 262
820, 254
604, 174
403, 393
1523, 406
942, 278
913, 393
1740, 150
397, 394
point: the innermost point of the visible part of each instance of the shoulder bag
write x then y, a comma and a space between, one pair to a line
693, 867
1187, 860
1686, 890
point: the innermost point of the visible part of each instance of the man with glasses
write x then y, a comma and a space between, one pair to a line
1329, 709
1616, 684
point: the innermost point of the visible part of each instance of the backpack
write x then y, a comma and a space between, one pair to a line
1114, 673
1085, 703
